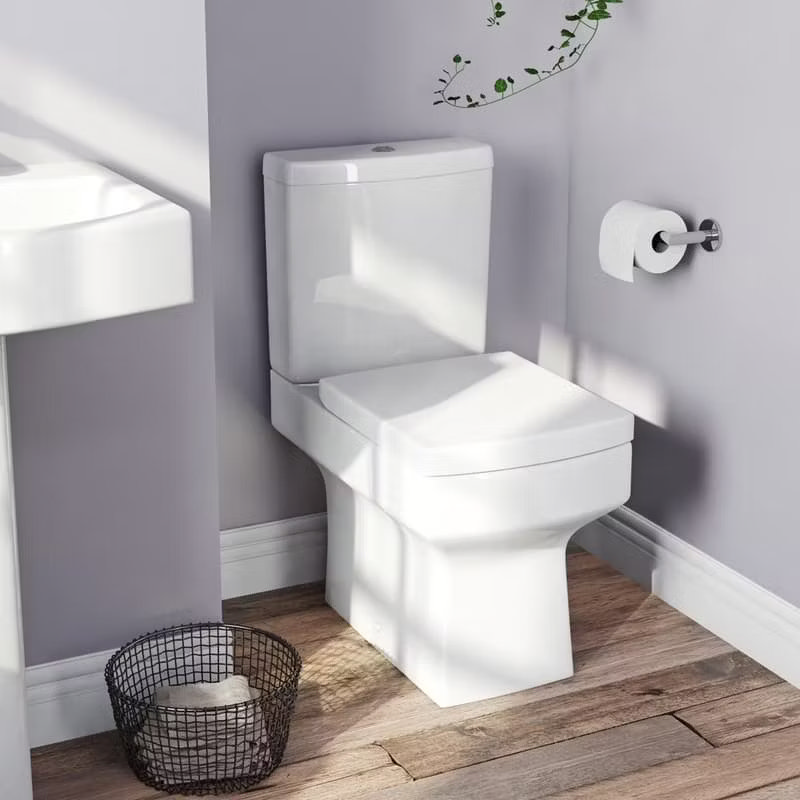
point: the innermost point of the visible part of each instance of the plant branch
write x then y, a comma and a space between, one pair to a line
593, 10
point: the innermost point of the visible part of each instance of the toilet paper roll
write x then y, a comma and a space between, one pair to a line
626, 240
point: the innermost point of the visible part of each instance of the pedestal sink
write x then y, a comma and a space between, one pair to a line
77, 243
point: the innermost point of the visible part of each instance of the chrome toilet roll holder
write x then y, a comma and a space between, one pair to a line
709, 237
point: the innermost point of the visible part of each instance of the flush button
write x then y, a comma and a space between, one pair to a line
383, 148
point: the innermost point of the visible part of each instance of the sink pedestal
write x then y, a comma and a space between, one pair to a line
78, 243
15, 764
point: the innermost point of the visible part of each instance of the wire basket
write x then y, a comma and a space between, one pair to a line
203, 750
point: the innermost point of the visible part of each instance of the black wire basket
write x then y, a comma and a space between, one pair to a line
203, 750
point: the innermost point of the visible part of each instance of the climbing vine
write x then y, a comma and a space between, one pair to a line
498, 12
573, 41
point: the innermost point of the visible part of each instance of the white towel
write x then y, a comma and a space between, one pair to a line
232, 690
189, 746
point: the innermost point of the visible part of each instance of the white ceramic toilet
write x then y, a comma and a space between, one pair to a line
454, 478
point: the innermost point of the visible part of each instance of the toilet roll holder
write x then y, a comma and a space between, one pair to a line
709, 237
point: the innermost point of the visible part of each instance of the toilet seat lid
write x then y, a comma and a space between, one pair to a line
475, 413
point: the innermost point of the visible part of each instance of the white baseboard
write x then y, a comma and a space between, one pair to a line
744, 614
68, 699
274, 555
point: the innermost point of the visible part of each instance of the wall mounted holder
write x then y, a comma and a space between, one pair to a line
709, 237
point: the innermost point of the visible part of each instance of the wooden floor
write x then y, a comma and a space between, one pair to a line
658, 709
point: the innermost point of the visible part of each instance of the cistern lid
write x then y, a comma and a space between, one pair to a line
367, 163
475, 413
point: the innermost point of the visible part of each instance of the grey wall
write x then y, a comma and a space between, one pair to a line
113, 431
696, 111
307, 73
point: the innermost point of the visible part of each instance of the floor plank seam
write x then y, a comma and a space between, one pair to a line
778, 681
748, 792
510, 753
694, 730
739, 739
394, 760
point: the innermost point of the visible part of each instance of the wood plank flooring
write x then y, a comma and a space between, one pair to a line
658, 709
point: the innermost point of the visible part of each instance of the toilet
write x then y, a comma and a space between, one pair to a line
454, 477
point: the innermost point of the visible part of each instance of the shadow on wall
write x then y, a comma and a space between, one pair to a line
670, 470
9, 165
45, 101
670, 455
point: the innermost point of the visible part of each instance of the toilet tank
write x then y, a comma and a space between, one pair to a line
376, 255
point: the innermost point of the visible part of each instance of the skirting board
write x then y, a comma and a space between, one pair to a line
68, 699
274, 555
744, 614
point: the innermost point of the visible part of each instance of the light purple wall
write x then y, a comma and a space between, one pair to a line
114, 446
697, 111
305, 73
113, 429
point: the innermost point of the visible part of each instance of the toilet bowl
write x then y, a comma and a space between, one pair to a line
454, 477
447, 542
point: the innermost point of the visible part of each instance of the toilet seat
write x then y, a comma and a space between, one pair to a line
474, 414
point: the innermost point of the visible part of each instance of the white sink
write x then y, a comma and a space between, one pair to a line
79, 243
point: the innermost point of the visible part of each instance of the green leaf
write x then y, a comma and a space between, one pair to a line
501, 86
531, 70
457, 59
567, 34
596, 15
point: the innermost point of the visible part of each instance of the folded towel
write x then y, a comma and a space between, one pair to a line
182, 745
232, 690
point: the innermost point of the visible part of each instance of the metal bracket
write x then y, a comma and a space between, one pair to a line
709, 237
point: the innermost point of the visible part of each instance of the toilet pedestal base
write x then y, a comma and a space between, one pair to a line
463, 623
